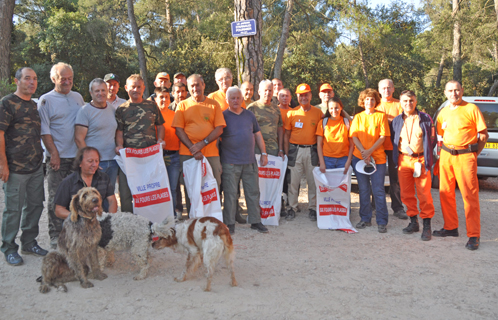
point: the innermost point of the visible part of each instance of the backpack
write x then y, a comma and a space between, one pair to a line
326, 119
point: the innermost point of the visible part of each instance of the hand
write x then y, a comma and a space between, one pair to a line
322, 168
55, 162
281, 154
197, 147
161, 142
198, 156
367, 160
117, 150
346, 166
263, 160
4, 172
366, 154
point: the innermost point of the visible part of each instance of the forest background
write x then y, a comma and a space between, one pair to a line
347, 43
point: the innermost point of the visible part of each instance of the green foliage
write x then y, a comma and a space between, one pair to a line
6, 88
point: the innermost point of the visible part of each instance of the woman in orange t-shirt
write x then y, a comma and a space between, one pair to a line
335, 147
369, 130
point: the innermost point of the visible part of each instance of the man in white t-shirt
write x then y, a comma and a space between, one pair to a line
112, 82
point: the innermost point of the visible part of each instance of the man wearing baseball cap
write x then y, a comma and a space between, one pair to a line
300, 147
112, 82
326, 92
162, 81
180, 77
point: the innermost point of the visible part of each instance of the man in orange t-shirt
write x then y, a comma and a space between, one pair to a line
224, 79
171, 142
199, 122
391, 107
300, 147
464, 133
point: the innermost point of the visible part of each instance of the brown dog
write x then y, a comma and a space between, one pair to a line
205, 240
77, 244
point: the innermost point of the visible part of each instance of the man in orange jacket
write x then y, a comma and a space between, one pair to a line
464, 133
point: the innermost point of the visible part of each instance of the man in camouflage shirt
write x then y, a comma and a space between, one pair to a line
21, 157
138, 121
269, 119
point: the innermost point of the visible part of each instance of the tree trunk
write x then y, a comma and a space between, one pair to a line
169, 21
493, 88
6, 14
440, 71
248, 50
457, 42
283, 40
363, 64
496, 11
138, 43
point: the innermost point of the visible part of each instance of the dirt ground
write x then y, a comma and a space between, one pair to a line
295, 272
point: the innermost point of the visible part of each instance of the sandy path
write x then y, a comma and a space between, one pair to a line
295, 272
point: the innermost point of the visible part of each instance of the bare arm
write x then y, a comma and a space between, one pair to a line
350, 156
80, 135
319, 147
55, 161
119, 141
4, 166
113, 203
160, 133
286, 141
367, 153
61, 212
197, 147
483, 137
261, 145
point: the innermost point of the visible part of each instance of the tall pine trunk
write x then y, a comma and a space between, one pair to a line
248, 50
440, 70
457, 42
283, 40
6, 14
169, 21
138, 43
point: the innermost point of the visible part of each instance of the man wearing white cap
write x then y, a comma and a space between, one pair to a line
326, 92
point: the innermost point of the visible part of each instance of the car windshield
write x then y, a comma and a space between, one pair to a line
490, 113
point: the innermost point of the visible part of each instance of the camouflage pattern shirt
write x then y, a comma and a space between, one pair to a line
269, 119
138, 122
20, 121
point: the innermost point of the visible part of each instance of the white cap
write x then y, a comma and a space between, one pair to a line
361, 165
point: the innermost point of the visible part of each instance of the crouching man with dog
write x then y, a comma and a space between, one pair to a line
87, 174
21, 169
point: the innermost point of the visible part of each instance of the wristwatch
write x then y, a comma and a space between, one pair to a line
264, 153
206, 141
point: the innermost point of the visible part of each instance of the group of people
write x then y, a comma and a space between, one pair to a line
228, 128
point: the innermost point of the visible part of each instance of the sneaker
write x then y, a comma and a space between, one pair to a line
401, 214
259, 227
231, 228
363, 224
382, 228
445, 233
312, 215
291, 214
473, 243
14, 259
36, 250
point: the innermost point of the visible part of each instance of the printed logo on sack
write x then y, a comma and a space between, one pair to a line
142, 153
209, 196
343, 187
267, 213
332, 210
324, 189
203, 169
151, 198
269, 173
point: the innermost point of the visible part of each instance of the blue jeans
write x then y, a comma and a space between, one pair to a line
110, 167
334, 163
173, 169
374, 182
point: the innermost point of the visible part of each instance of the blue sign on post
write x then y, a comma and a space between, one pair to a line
244, 28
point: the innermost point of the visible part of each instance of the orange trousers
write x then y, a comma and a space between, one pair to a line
462, 169
408, 185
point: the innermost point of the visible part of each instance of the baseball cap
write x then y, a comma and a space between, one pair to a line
162, 75
364, 168
111, 76
178, 74
326, 86
303, 88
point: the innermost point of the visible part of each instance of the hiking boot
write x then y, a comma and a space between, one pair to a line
473, 243
259, 227
401, 214
363, 224
283, 211
36, 250
312, 215
445, 233
240, 219
291, 214
231, 228
382, 228
14, 259
413, 226
426, 232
